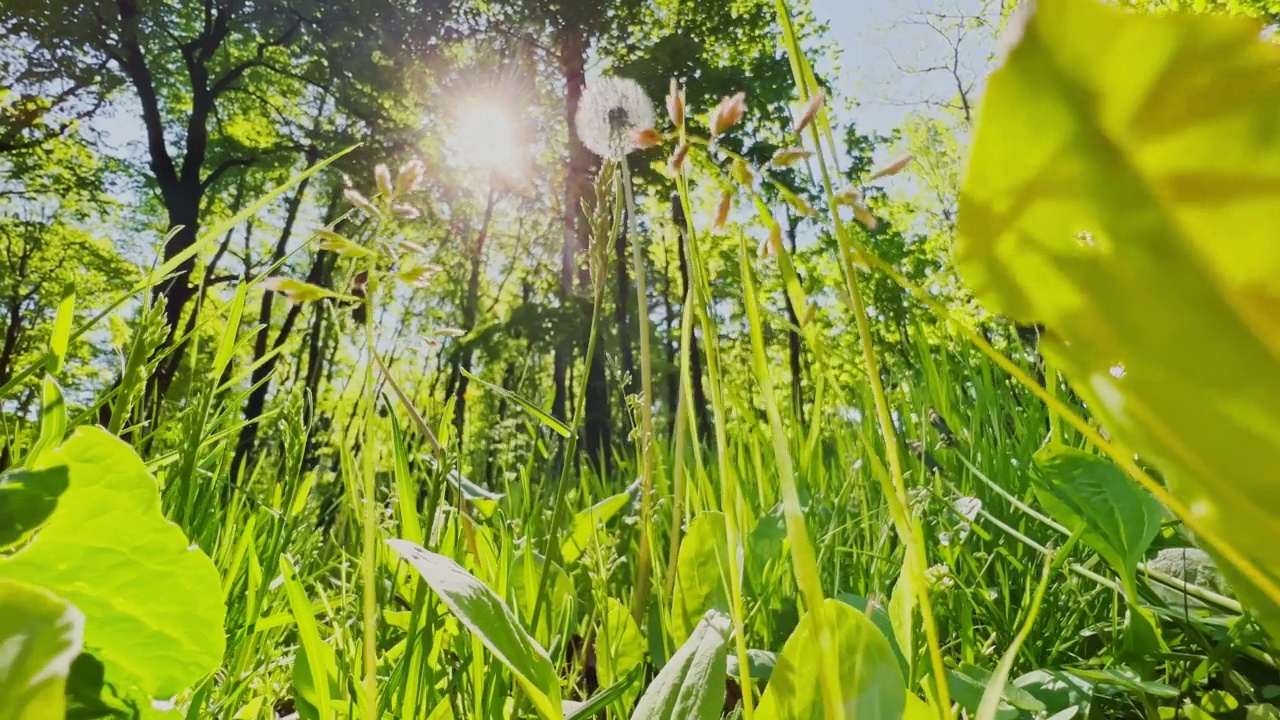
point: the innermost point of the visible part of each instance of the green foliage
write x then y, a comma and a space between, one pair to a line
43, 635
702, 573
1091, 495
691, 684
1149, 204
871, 682
485, 615
107, 549
27, 499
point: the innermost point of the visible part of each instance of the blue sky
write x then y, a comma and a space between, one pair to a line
879, 39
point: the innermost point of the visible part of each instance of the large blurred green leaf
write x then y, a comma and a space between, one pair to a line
152, 603
40, 635
27, 499
485, 615
871, 680
1123, 191
1081, 490
702, 574
691, 684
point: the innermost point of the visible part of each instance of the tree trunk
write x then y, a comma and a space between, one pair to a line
702, 412
793, 338
470, 311
260, 379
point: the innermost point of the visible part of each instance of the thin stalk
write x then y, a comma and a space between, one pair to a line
641, 596
896, 494
370, 558
699, 295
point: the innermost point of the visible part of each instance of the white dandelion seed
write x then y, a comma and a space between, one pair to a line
610, 109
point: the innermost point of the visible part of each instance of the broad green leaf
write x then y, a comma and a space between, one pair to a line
759, 662
152, 603
871, 680
335, 243
40, 636
968, 683
1125, 679
619, 647
524, 581
691, 685
27, 499
606, 697
485, 615
766, 544
1081, 490
880, 617
1122, 191
702, 574
587, 524
1058, 690
532, 408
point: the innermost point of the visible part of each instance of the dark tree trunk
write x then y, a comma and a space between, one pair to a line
793, 339
702, 412
470, 311
260, 379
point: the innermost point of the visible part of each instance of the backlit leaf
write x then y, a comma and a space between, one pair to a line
40, 636
152, 603
691, 684
1122, 191
486, 616
702, 574
871, 681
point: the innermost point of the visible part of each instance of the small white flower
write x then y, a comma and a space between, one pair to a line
610, 109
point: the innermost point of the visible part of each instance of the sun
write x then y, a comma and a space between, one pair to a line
485, 138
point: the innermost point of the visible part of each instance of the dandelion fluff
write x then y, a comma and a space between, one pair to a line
610, 109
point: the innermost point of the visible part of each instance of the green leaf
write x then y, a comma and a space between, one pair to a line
1122, 190
606, 697
619, 647
296, 291
702, 574
1082, 490
587, 524
1126, 679
335, 243
27, 499
1058, 690
542, 415
759, 662
968, 683
691, 685
315, 673
880, 617
40, 636
871, 683
60, 339
524, 581
53, 421
485, 615
227, 344
152, 603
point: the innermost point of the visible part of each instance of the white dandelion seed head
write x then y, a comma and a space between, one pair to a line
610, 109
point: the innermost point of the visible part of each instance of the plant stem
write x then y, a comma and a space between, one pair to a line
370, 559
646, 401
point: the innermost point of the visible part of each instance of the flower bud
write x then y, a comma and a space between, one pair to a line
892, 168
383, 176
722, 211
410, 177
728, 113
645, 138
810, 111
677, 158
742, 172
355, 198
675, 104
785, 157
